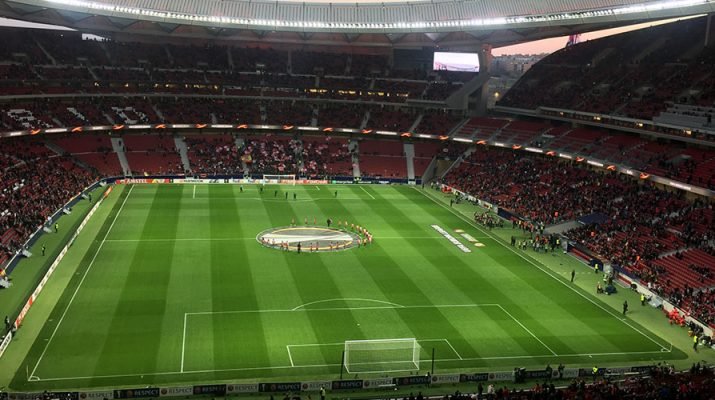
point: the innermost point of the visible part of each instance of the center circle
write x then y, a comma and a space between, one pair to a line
308, 238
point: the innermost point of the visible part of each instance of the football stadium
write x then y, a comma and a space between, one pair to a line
209, 198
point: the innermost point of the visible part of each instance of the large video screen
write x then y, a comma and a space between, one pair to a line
463, 62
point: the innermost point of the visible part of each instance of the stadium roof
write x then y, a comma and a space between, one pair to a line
397, 23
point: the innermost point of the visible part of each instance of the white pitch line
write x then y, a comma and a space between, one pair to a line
336, 365
183, 344
453, 349
386, 307
348, 299
194, 195
317, 187
290, 357
253, 238
530, 261
89, 267
368, 193
343, 343
528, 330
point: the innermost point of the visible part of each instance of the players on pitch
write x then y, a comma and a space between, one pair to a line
364, 237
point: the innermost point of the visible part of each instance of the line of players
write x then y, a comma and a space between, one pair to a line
364, 236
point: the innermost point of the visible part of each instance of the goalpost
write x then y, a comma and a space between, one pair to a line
276, 179
382, 355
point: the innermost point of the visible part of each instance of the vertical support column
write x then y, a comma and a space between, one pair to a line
485, 62
708, 29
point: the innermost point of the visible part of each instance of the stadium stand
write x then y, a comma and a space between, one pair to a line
62, 62
94, 149
34, 183
213, 154
152, 155
695, 383
391, 120
660, 73
271, 154
326, 156
660, 237
382, 158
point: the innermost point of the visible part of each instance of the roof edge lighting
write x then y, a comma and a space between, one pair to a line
460, 24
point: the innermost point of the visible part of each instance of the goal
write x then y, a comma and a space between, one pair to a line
382, 355
275, 179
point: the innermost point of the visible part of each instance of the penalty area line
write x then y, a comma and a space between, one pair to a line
183, 344
290, 357
368, 193
527, 330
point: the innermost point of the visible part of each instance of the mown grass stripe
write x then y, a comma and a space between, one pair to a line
232, 280
312, 279
387, 273
147, 280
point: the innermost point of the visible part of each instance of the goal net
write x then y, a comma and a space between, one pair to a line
279, 179
382, 355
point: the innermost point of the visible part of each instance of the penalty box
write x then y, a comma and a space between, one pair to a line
315, 337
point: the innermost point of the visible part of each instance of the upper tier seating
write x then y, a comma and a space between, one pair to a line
70, 64
637, 74
213, 154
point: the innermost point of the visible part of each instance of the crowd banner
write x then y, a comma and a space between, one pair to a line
238, 388
315, 386
213, 390
353, 384
378, 383
279, 387
412, 380
478, 377
97, 395
176, 391
446, 378
501, 376
137, 393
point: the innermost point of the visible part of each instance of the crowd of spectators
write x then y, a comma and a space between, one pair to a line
326, 156
663, 383
63, 62
34, 183
213, 154
635, 74
542, 190
271, 154
645, 229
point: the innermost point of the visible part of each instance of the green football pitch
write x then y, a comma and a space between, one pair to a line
177, 288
